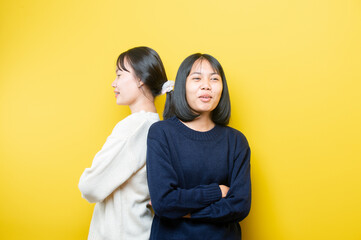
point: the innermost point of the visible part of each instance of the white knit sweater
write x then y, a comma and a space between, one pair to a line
117, 182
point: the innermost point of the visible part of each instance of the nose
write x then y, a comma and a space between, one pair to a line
114, 84
206, 85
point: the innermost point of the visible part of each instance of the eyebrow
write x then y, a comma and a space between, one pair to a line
214, 73
194, 73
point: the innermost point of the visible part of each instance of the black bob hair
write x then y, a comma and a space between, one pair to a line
176, 102
147, 65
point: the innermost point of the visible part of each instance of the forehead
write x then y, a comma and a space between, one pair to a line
203, 66
123, 65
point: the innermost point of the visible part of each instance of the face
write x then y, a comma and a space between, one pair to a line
203, 87
126, 86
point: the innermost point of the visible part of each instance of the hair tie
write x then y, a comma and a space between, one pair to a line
167, 86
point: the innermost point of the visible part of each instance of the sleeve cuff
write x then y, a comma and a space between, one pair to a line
212, 194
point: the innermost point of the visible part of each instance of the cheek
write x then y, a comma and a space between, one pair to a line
129, 85
191, 89
189, 98
188, 91
218, 89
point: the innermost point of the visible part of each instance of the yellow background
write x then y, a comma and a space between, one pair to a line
294, 71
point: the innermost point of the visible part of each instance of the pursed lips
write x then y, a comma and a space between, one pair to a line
205, 97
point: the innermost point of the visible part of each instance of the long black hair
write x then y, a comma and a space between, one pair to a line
147, 65
176, 103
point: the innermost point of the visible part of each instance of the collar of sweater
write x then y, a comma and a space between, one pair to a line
210, 135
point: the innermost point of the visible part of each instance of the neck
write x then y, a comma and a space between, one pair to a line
202, 123
143, 104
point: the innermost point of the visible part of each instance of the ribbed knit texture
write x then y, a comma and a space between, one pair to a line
185, 168
117, 182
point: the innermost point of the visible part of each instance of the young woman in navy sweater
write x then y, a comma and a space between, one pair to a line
198, 168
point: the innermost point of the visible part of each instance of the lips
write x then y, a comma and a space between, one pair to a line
116, 93
205, 97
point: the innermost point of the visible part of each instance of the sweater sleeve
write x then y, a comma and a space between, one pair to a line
120, 157
169, 200
236, 205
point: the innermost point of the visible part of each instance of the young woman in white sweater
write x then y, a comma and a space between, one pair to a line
117, 181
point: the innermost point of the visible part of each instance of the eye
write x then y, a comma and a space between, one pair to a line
215, 79
196, 78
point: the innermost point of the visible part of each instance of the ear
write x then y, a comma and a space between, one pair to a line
140, 83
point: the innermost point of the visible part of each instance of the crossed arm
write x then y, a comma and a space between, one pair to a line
112, 166
211, 203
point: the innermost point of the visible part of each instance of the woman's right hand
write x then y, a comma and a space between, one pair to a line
224, 190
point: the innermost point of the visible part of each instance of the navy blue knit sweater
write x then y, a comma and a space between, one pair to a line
185, 168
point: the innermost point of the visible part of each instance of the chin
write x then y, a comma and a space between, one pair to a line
120, 103
203, 111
